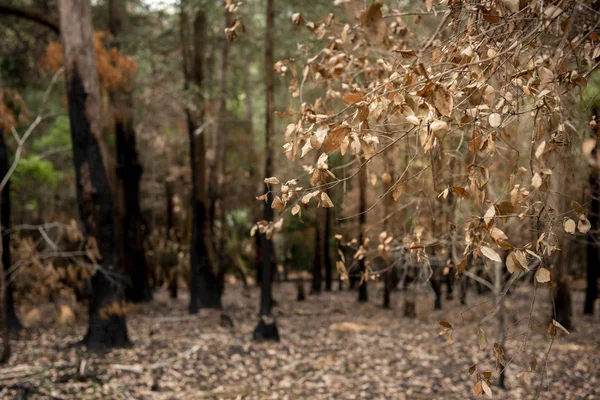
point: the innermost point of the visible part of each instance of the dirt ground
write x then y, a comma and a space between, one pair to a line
331, 348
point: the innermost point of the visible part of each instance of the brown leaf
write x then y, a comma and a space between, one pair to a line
583, 225
335, 138
477, 390
352, 98
490, 253
442, 100
397, 191
569, 226
297, 19
446, 324
542, 275
371, 14
577, 207
277, 204
283, 115
460, 191
482, 339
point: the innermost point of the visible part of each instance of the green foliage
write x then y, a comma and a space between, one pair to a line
33, 168
59, 136
591, 93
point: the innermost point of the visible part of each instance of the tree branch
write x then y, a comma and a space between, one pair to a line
30, 15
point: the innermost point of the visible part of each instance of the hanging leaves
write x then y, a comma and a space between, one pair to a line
490, 253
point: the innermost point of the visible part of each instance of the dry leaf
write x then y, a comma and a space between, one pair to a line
335, 138
397, 191
352, 98
495, 120
536, 181
277, 204
272, 180
569, 226
460, 191
439, 129
442, 100
542, 275
583, 225
490, 253
482, 339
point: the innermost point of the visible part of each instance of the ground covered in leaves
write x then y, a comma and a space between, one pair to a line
331, 347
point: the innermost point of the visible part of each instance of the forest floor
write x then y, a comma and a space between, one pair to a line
331, 347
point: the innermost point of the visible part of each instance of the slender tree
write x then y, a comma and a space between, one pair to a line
267, 327
327, 262
129, 174
106, 326
204, 291
363, 294
11, 317
216, 183
592, 250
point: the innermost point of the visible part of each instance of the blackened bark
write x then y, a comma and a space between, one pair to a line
204, 291
592, 250
169, 211
388, 275
267, 327
363, 295
327, 262
387, 289
319, 248
106, 326
129, 172
436, 284
11, 317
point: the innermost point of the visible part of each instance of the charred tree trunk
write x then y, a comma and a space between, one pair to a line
363, 295
592, 250
267, 327
317, 273
129, 173
169, 211
106, 327
204, 290
216, 186
388, 181
9, 304
326, 252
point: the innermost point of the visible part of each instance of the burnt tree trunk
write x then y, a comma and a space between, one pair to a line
317, 270
106, 326
363, 294
267, 326
327, 262
204, 290
9, 306
592, 250
129, 174
216, 186
388, 182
